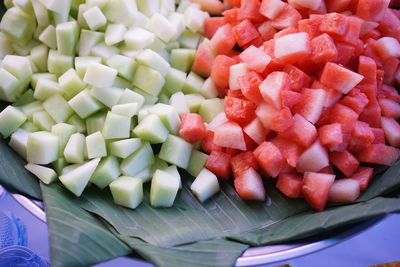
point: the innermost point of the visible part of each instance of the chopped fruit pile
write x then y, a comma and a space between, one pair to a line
310, 96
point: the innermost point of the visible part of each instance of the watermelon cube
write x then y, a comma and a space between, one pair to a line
355, 100
230, 135
245, 32
292, 47
334, 24
330, 134
392, 131
192, 127
379, 136
313, 159
389, 108
239, 110
323, 49
223, 40
363, 175
290, 184
302, 131
243, 161
275, 119
220, 70
220, 164
339, 78
272, 87
379, 154
343, 115
249, 86
311, 104
256, 131
344, 161
298, 78
344, 190
204, 60
361, 136
271, 8
208, 144
290, 150
316, 187
270, 159
249, 185
255, 58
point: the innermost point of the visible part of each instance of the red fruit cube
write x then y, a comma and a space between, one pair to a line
232, 152
221, 69
256, 131
337, 5
387, 47
330, 134
316, 188
389, 108
192, 127
288, 17
230, 135
343, 115
274, 119
271, 8
272, 87
342, 146
372, 114
290, 98
212, 24
379, 136
289, 149
310, 26
298, 78
290, 184
345, 53
208, 144
334, 24
344, 190
223, 40
204, 60
344, 161
239, 110
363, 175
245, 32
355, 100
249, 9
367, 68
391, 129
311, 104
249, 185
323, 49
266, 30
379, 154
314, 159
286, 31
371, 9
255, 58
287, 52
361, 136
339, 78
219, 163
269, 158
243, 161
249, 84
302, 131
236, 94
231, 16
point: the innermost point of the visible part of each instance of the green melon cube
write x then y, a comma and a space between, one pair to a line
143, 112
18, 66
19, 141
46, 175
176, 151
67, 34
70, 168
18, 25
121, 11
145, 175
197, 162
163, 98
37, 76
128, 110
49, 37
210, 108
194, 19
83, 62
25, 98
104, 51
161, 27
29, 126
95, 122
116, 126
178, 101
164, 188
148, 98
176, 19
205, 185
153, 60
114, 34
174, 80
64, 132
84, 104
151, 129
209, 89
87, 40
42, 148
127, 191
71, 84
99, 75
43, 120
81, 19
95, 19
41, 13
8, 83
125, 66
46, 88
156, 46
172, 45
106, 172
58, 108
147, 7
58, 63
38, 56
148, 80
24, 50
138, 161
96, 146
193, 101
11, 118
5, 45
158, 164
77, 179
124, 148
31, 108
173, 171
182, 59
59, 165
138, 38
78, 123
74, 149
168, 115
108, 96
193, 84
189, 39
122, 83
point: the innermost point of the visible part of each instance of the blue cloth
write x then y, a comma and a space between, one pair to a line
19, 256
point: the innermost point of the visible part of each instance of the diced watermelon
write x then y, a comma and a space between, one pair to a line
389, 92
214, 7
389, 25
256, 131
245, 32
192, 127
372, 9
208, 144
293, 47
367, 68
311, 4
372, 114
389, 108
239, 110
355, 100
220, 70
345, 53
204, 60
243, 161
323, 49
352, 34
249, 9
311, 104
331, 95
339, 78
344, 190
275, 119
343, 115
379, 136
379, 154
313, 159
337, 5
302, 131
387, 47
249, 186
231, 16
328, 170
298, 78
344, 161
211, 25
266, 30
255, 58
392, 131
288, 17
363, 175
219, 163
289, 149
223, 40
290, 98
249, 84
361, 136
236, 94
286, 31
271, 8
310, 26
269, 158
272, 87
330, 134
290, 184
334, 24
316, 188
230, 135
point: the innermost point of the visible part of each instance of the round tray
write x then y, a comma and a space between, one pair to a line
255, 255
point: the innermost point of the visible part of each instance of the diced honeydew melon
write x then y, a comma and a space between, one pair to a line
11, 118
193, 83
172, 45
148, 80
61, 8
197, 162
122, 83
8, 82
127, 191
182, 58
121, 11
106, 172
163, 98
128, 110
99, 3
38, 31
153, 60
24, 50
209, 89
64, 132
189, 39
24, 5
38, 57
114, 34
99, 75
173, 170
194, 19
8, 3
168, 115
46, 88
58, 63
178, 101
158, 164
78, 123
174, 80
95, 122
183, 5
236, 71
17, 25
124, 148
148, 98
59, 165
42, 148
96, 146
193, 101
45, 174
116, 126
157, 45
167, 7
161, 27
164, 188
73, 152
47, 75
148, 7
125, 66
41, 13
108, 96
82, 63
176, 19
80, 18
77, 179
143, 112
19, 141
70, 168
71, 84
67, 37
30, 108
103, 51
43, 120
58, 108
205, 185
138, 38
18, 66
87, 40
151, 129
49, 37
145, 175
210, 108
5, 45
176, 151
84, 104
138, 161
25, 98
95, 18
29, 126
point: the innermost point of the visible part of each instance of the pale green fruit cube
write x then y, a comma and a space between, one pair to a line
60, 8
79, 123
157, 45
182, 59
127, 191
24, 50
96, 146
145, 175
81, 19
25, 98
168, 115
108, 96
19, 141
114, 34
205, 185
82, 63
210, 108
71, 84
73, 152
189, 39
18, 66
176, 19
197, 162
151, 129
174, 80
58, 165
8, 82
87, 40
99, 75
124, 148
173, 170
143, 112
164, 188
64, 132
17, 25
128, 110
158, 164
172, 45
5, 45
176, 151
30, 108
84, 104
58, 63
77, 179
58, 108
42, 148
49, 37
95, 19
148, 80
106, 172
153, 60
138, 38
194, 19
125, 66
161, 27
148, 8
104, 51
41, 13
163, 98
116, 126
67, 34
167, 7
39, 57
100, 3
45, 174
121, 11
46, 88
149, 99
122, 83
11, 118
43, 120
193, 84
138, 161
29, 126
193, 101
70, 168
178, 101
209, 89
37, 76
95, 122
